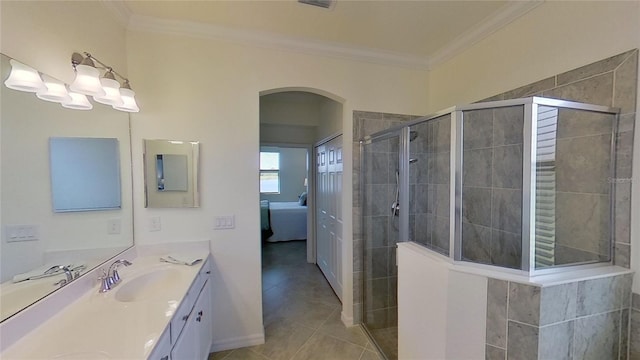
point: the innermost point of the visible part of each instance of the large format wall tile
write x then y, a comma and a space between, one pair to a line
497, 312
582, 220
601, 295
506, 249
508, 125
583, 164
558, 303
597, 337
507, 167
556, 341
476, 206
478, 129
507, 210
595, 90
476, 243
595, 68
523, 342
634, 335
476, 167
524, 303
578, 123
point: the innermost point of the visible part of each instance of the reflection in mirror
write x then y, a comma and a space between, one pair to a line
175, 166
85, 173
37, 241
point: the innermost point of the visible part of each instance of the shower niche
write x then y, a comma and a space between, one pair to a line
525, 184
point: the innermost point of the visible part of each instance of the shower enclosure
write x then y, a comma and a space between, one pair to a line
524, 186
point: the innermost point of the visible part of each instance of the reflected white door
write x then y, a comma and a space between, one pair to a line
329, 212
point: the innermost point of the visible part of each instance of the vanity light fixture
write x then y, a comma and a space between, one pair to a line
24, 78
112, 90
106, 90
54, 90
77, 101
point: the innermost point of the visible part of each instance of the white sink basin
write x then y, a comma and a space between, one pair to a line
147, 286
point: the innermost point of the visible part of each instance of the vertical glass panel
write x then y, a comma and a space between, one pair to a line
380, 234
492, 186
429, 175
573, 190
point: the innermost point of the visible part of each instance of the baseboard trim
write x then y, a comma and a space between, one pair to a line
237, 342
347, 320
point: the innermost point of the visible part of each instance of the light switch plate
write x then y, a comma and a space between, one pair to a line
155, 224
17, 233
224, 222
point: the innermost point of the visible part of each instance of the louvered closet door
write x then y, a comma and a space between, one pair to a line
329, 199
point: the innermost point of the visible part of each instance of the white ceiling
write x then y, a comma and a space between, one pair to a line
415, 33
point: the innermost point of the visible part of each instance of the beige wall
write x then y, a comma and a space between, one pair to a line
552, 38
209, 90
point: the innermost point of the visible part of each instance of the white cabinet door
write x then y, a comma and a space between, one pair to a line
195, 340
202, 312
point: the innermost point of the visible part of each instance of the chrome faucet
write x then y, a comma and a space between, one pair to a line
111, 278
67, 273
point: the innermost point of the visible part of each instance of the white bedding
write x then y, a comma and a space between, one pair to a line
288, 221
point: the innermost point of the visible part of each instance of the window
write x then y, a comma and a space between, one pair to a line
269, 172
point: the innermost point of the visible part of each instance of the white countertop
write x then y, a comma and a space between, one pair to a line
98, 326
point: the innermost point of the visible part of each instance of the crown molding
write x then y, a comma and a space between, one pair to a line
501, 18
119, 10
275, 41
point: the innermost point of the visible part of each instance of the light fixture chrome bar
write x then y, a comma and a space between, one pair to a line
77, 59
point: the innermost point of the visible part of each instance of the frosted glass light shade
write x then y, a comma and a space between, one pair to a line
23, 78
112, 93
54, 90
87, 81
129, 101
77, 102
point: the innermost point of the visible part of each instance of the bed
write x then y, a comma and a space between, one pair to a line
286, 220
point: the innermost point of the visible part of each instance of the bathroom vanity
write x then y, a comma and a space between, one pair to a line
158, 311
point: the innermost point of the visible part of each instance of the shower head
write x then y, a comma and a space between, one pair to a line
413, 135
411, 161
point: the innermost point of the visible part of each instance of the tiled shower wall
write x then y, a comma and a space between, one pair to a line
609, 82
492, 186
381, 228
429, 176
580, 320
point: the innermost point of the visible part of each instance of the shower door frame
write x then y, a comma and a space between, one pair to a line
530, 108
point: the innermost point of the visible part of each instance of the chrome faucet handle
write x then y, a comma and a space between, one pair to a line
65, 269
61, 283
112, 274
104, 279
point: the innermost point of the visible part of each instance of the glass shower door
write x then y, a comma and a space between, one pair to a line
381, 215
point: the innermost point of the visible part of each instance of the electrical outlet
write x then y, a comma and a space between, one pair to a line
155, 224
114, 226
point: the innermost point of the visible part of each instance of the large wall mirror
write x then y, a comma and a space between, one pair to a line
171, 173
43, 224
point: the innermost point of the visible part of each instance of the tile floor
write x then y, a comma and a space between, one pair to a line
301, 313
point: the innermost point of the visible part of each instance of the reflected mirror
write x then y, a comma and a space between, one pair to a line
35, 238
85, 173
171, 173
